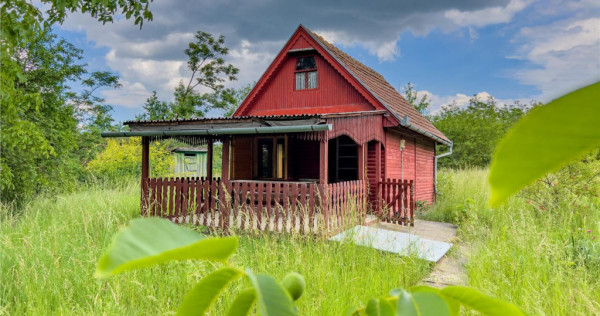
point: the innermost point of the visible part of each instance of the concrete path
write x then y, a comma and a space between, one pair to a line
450, 269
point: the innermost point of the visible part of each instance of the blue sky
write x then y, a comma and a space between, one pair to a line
508, 49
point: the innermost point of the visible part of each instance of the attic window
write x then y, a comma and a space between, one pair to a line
306, 73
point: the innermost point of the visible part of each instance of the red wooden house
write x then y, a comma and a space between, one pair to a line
318, 135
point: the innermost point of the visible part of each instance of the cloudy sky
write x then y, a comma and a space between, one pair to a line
509, 49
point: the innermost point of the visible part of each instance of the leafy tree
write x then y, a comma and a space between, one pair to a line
93, 114
38, 138
91, 110
234, 98
476, 129
422, 105
209, 70
154, 109
37, 127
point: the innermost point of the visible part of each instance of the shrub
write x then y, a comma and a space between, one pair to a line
570, 188
121, 159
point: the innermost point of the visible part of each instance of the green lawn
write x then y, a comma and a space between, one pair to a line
547, 263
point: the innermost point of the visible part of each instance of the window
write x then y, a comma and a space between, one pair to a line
306, 73
271, 158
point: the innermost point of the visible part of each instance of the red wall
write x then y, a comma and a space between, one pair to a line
372, 167
418, 159
333, 95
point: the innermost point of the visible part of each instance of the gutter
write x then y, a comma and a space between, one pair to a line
435, 188
405, 122
223, 131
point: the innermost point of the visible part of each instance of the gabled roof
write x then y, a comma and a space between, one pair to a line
382, 90
368, 79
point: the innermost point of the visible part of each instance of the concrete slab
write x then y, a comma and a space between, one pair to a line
439, 231
398, 242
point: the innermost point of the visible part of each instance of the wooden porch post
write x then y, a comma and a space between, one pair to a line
361, 161
324, 188
209, 159
378, 175
145, 174
378, 161
225, 160
323, 161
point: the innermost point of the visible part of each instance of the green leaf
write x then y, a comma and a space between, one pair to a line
150, 241
380, 307
272, 298
429, 301
243, 303
544, 140
480, 302
404, 305
205, 293
372, 308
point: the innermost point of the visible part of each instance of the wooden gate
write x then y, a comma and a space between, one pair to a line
395, 201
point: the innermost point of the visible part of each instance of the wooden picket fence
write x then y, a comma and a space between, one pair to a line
396, 203
256, 205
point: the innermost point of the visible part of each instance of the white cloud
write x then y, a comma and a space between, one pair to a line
129, 95
565, 55
487, 16
462, 100
153, 58
384, 50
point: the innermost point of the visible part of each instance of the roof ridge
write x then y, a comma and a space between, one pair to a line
344, 54
381, 89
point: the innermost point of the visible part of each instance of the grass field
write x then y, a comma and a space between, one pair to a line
50, 249
546, 263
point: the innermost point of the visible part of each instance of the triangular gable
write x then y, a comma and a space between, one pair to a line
300, 41
378, 93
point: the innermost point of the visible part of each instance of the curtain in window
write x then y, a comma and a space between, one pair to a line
300, 84
312, 80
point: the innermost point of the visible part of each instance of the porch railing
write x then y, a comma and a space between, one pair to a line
256, 205
395, 201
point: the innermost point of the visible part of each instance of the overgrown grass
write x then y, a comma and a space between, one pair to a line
544, 261
50, 248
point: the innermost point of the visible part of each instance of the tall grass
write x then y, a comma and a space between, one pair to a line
544, 261
49, 250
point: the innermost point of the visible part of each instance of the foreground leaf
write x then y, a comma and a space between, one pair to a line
243, 303
546, 139
377, 307
273, 299
405, 304
205, 293
480, 302
430, 303
150, 241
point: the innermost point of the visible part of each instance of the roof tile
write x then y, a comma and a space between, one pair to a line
382, 90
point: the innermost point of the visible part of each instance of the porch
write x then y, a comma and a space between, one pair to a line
311, 174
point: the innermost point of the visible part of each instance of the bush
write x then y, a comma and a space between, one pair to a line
570, 188
122, 158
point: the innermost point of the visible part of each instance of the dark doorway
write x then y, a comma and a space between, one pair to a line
343, 159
